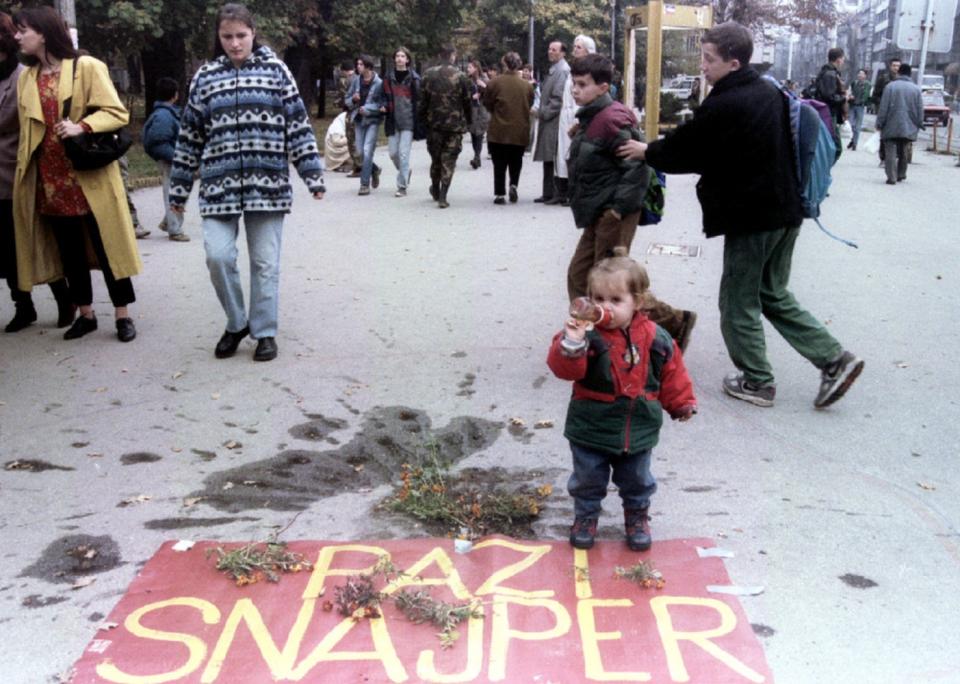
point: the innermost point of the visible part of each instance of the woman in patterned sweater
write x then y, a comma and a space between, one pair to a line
244, 122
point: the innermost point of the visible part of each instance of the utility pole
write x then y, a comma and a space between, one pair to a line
68, 10
613, 31
530, 48
926, 27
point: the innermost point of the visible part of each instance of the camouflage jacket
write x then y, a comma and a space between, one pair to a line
444, 103
343, 84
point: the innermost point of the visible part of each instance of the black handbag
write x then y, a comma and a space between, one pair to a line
89, 151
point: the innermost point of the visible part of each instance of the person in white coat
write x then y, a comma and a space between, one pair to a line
582, 45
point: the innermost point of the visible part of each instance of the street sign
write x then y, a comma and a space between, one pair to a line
909, 34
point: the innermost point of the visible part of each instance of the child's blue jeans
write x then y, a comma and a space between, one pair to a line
591, 475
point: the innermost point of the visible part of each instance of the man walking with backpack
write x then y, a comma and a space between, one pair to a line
739, 141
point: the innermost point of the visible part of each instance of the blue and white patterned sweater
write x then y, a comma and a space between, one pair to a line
241, 128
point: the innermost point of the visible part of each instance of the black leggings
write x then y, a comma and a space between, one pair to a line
505, 157
71, 233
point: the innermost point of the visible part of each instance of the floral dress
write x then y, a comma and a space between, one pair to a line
58, 192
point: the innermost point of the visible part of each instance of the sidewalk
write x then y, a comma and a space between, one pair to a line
390, 302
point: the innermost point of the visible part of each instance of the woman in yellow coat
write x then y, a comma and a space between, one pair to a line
65, 219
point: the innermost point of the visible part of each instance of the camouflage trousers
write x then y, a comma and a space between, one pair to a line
444, 148
357, 159
125, 175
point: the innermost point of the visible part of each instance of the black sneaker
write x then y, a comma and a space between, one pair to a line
758, 395
582, 533
836, 378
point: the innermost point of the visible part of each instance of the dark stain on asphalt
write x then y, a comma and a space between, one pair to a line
186, 523
762, 630
466, 385
538, 383
139, 457
389, 436
520, 433
74, 556
79, 445
38, 601
459, 355
697, 489
203, 454
96, 617
857, 581
318, 429
33, 465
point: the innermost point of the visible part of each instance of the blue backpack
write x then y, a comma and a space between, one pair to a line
815, 153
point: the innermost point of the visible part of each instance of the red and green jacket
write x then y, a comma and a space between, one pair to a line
622, 382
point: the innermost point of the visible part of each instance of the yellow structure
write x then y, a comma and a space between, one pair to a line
656, 17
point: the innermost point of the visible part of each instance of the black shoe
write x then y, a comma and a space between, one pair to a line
556, 199
442, 196
81, 327
266, 349
375, 180
125, 329
513, 194
637, 526
542, 200
499, 200
229, 341
24, 316
582, 533
890, 182
475, 163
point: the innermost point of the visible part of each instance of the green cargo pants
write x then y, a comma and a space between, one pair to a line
756, 270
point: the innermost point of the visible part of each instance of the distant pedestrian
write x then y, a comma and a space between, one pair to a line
401, 91
899, 120
481, 117
548, 126
446, 110
529, 78
626, 372
159, 138
348, 70
367, 105
508, 98
739, 142
883, 79
859, 99
243, 125
830, 89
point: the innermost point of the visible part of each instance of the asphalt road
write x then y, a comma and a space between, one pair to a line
849, 518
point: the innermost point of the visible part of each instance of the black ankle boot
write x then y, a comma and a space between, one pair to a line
442, 198
637, 524
24, 316
582, 533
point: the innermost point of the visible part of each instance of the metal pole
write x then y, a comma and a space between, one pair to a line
927, 26
613, 31
68, 10
530, 50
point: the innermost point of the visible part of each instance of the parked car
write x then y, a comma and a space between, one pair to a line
932, 82
681, 87
934, 109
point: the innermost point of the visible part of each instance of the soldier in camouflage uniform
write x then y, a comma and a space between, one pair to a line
444, 106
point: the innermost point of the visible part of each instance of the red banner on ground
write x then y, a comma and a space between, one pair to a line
547, 614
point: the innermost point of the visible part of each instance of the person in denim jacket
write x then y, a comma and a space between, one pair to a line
367, 105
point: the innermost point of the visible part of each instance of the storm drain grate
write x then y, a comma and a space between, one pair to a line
674, 250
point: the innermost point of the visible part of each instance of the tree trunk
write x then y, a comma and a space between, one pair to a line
165, 56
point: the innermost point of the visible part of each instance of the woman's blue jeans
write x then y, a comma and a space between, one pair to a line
591, 475
263, 229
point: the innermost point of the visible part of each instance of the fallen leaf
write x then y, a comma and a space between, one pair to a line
100, 390
232, 444
94, 455
90, 554
901, 364
107, 625
215, 395
228, 485
183, 545
358, 468
176, 450
541, 424
926, 485
83, 582
178, 374
519, 422
192, 501
250, 483
129, 501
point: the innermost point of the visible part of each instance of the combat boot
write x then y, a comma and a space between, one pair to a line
582, 533
435, 191
637, 524
442, 198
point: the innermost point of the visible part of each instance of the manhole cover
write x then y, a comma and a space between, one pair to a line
674, 250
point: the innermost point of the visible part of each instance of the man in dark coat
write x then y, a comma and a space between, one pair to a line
446, 110
739, 141
548, 131
830, 89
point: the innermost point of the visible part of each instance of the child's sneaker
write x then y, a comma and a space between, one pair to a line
836, 378
637, 524
759, 395
582, 533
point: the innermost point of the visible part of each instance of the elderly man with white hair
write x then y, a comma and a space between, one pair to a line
582, 45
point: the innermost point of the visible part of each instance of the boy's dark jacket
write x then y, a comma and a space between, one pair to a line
617, 406
739, 142
599, 179
160, 131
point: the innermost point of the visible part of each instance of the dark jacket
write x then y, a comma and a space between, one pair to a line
370, 105
623, 382
739, 142
599, 179
160, 132
409, 89
830, 87
509, 99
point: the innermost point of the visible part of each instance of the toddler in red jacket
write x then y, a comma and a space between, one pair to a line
626, 370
